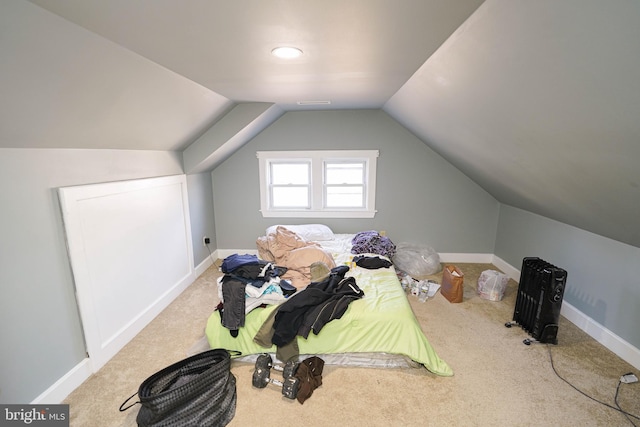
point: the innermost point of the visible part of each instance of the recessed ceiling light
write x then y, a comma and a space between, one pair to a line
286, 52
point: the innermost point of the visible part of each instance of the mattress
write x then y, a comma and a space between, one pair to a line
380, 323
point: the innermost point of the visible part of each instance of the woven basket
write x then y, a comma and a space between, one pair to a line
197, 391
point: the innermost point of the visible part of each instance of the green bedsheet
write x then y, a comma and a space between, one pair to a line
382, 321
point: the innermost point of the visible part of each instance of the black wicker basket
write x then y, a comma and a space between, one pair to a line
197, 391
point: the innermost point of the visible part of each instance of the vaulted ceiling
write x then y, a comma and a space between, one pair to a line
537, 102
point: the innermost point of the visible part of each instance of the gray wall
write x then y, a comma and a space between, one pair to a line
39, 322
602, 274
420, 197
202, 215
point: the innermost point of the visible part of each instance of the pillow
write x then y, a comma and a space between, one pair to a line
309, 232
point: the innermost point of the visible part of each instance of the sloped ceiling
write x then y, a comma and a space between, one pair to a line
538, 102
64, 87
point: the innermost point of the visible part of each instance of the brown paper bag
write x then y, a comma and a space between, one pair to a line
452, 283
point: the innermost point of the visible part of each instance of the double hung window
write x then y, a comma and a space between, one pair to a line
322, 184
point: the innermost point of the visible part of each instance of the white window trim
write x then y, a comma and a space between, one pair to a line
317, 159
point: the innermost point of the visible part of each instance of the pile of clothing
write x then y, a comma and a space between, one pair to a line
285, 248
248, 283
325, 299
374, 243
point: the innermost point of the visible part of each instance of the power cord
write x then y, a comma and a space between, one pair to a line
615, 408
213, 261
626, 414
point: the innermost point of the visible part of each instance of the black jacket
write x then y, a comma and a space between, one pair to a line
315, 306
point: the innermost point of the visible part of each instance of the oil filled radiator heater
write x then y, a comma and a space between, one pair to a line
539, 300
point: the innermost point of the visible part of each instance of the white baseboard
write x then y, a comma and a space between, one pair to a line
202, 267
506, 268
472, 258
65, 385
617, 345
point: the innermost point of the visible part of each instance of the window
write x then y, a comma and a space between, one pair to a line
320, 184
290, 185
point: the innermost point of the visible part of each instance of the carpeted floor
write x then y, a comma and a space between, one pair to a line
498, 380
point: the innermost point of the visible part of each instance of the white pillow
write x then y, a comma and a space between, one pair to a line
309, 232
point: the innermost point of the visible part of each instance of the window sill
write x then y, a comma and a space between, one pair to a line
318, 214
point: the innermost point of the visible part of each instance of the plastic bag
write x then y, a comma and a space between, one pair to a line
492, 284
416, 260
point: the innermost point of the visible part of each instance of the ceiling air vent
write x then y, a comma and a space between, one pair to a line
314, 102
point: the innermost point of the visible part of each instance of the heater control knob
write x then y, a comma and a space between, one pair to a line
557, 294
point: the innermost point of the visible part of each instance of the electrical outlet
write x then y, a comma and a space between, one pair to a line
205, 241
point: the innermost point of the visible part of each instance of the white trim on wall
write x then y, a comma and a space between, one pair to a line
65, 385
202, 267
613, 342
506, 268
471, 258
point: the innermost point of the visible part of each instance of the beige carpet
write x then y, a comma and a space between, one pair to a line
498, 380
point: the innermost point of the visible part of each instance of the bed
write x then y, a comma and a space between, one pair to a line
380, 326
